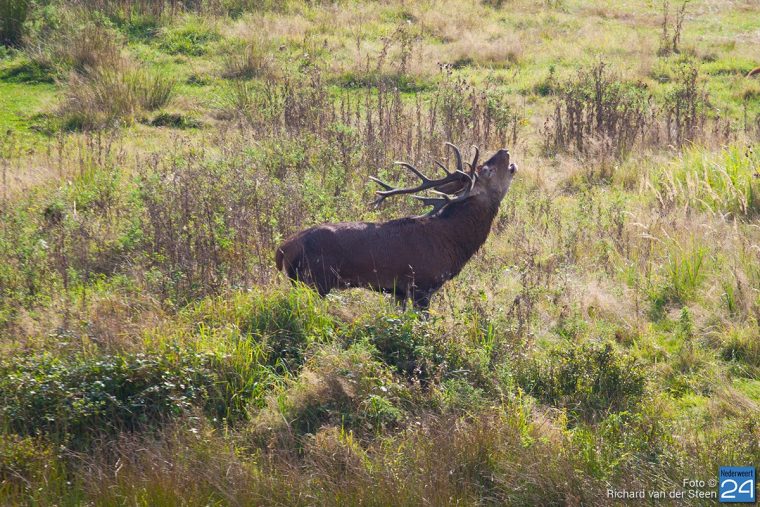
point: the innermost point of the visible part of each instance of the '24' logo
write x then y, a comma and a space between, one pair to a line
737, 484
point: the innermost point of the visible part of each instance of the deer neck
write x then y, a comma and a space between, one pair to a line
467, 224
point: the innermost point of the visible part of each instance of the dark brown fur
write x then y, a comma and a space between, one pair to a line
753, 72
409, 257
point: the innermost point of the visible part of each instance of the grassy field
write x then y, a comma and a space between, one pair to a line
153, 155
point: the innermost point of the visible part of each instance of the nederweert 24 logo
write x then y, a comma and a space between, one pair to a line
736, 484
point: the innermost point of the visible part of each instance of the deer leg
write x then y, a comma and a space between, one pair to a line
297, 275
421, 300
400, 297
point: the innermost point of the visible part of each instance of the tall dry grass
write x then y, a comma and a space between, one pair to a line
109, 97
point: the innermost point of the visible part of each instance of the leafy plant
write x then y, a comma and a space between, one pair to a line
13, 14
588, 380
336, 387
78, 398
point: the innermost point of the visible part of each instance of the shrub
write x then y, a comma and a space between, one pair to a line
78, 398
100, 99
671, 30
243, 378
23, 460
410, 346
598, 111
24, 70
174, 120
285, 324
623, 441
335, 388
588, 380
301, 105
686, 107
401, 343
13, 14
458, 395
206, 224
153, 89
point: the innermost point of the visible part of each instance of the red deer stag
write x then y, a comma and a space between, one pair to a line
410, 257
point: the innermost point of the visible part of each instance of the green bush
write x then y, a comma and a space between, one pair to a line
588, 380
458, 395
24, 70
344, 388
77, 399
285, 323
174, 120
405, 344
423, 352
23, 459
13, 14
621, 441
247, 61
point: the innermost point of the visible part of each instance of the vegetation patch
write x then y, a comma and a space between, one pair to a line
347, 388
77, 399
108, 97
190, 38
26, 71
174, 120
12, 18
588, 380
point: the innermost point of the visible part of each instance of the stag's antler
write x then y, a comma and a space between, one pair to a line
458, 176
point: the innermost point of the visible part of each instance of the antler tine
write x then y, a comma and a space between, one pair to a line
436, 202
458, 156
381, 183
445, 169
413, 169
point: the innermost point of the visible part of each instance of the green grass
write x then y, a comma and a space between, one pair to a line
19, 103
725, 182
190, 38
